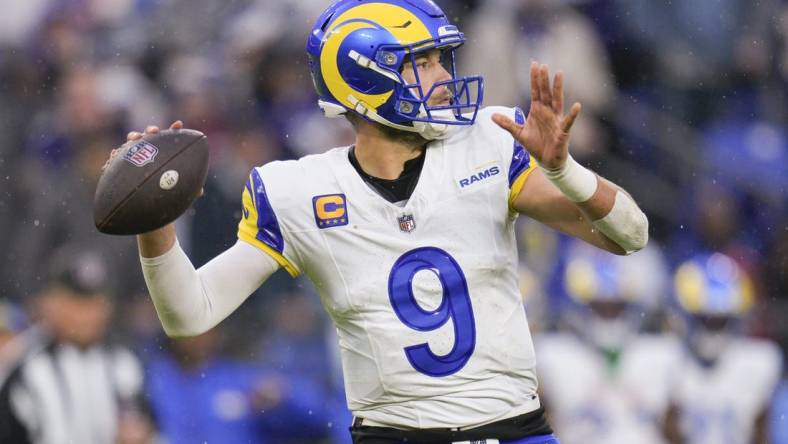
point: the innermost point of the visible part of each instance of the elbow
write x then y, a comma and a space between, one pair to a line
182, 332
626, 225
624, 239
634, 248
178, 328
639, 237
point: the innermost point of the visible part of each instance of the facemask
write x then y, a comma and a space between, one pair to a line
436, 131
709, 345
609, 334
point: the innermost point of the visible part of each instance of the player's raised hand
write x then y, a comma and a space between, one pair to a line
545, 133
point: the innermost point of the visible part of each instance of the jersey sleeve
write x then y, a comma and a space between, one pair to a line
260, 226
521, 164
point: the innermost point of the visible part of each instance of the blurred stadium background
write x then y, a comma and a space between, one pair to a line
684, 105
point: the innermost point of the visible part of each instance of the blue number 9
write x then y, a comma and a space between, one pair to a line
455, 305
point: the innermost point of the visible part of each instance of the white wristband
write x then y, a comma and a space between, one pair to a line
577, 182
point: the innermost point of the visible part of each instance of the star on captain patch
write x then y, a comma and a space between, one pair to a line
406, 223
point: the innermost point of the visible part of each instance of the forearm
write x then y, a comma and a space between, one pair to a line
157, 242
611, 210
625, 223
601, 202
190, 302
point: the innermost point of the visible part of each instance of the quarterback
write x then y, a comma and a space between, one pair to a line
408, 234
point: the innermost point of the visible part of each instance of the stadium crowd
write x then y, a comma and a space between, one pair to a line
685, 105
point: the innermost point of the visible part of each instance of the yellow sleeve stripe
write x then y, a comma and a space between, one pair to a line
247, 232
246, 236
249, 206
519, 182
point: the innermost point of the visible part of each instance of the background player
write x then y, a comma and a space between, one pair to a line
605, 380
439, 229
727, 380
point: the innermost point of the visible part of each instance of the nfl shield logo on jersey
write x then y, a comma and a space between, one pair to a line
141, 154
406, 223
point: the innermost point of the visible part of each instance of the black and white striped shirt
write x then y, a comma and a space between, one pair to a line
61, 393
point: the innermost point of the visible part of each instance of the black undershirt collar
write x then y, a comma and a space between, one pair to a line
395, 190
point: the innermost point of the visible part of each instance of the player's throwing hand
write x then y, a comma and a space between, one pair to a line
136, 135
546, 131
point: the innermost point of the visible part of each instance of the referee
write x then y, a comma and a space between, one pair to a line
69, 385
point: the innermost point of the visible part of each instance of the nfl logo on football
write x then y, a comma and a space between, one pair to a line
406, 223
141, 154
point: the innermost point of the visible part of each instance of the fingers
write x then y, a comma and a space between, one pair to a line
507, 124
152, 129
112, 155
558, 93
541, 90
569, 120
544, 86
135, 135
535, 82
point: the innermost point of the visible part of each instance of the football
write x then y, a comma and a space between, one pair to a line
151, 181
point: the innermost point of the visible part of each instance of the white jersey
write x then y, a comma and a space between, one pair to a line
721, 403
431, 326
592, 401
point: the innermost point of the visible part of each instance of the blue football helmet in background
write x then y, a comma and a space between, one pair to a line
713, 295
612, 295
356, 53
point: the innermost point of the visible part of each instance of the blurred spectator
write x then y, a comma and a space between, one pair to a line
606, 381
699, 53
199, 395
19, 21
296, 344
13, 345
219, 210
60, 190
506, 36
720, 217
728, 380
760, 145
71, 386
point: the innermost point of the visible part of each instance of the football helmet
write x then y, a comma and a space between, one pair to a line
356, 53
612, 294
713, 295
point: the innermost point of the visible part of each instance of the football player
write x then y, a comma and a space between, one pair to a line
408, 234
605, 381
728, 380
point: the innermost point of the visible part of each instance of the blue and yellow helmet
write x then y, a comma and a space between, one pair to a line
613, 295
713, 284
356, 51
594, 275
